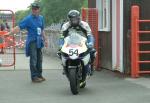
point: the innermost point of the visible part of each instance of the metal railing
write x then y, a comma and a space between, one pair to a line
136, 33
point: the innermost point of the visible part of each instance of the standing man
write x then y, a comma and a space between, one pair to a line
35, 41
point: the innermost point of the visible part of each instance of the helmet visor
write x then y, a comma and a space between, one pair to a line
74, 21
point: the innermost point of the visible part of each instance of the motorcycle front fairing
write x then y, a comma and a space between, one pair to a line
75, 48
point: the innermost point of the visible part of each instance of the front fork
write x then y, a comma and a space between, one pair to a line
80, 72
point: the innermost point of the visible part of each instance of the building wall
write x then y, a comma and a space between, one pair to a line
105, 50
111, 43
105, 44
91, 3
106, 37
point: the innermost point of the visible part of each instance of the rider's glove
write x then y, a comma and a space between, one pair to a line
90, 45
61, 42
90, 41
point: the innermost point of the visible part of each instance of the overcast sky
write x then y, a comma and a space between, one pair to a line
15, 4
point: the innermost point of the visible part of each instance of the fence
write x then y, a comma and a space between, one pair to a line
90, 15
53, 37
7, 50
51, 34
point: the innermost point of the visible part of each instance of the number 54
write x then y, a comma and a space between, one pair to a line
73, 51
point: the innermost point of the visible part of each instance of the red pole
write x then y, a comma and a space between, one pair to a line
97, 45
84, 14
134, 41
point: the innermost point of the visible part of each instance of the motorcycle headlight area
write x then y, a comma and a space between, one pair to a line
73, 57
80, 56
68, 56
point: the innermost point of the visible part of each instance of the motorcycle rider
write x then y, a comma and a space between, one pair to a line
83, 27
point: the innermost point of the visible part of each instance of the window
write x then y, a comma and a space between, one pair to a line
103, 14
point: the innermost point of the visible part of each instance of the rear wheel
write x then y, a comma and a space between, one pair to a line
74, 82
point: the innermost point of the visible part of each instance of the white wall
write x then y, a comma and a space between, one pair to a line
117, 35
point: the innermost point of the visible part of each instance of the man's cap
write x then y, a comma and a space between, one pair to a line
35, 5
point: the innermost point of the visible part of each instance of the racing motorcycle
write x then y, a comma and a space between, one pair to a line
75, 58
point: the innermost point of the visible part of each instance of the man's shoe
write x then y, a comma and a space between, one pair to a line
82, 84
42, 78
36, 80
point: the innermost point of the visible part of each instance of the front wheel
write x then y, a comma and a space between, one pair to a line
74, 82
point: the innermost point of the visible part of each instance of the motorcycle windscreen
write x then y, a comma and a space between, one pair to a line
74, 45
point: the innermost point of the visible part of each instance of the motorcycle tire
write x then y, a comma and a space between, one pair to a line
74, 84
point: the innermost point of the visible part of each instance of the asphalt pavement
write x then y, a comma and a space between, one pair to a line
103, 87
